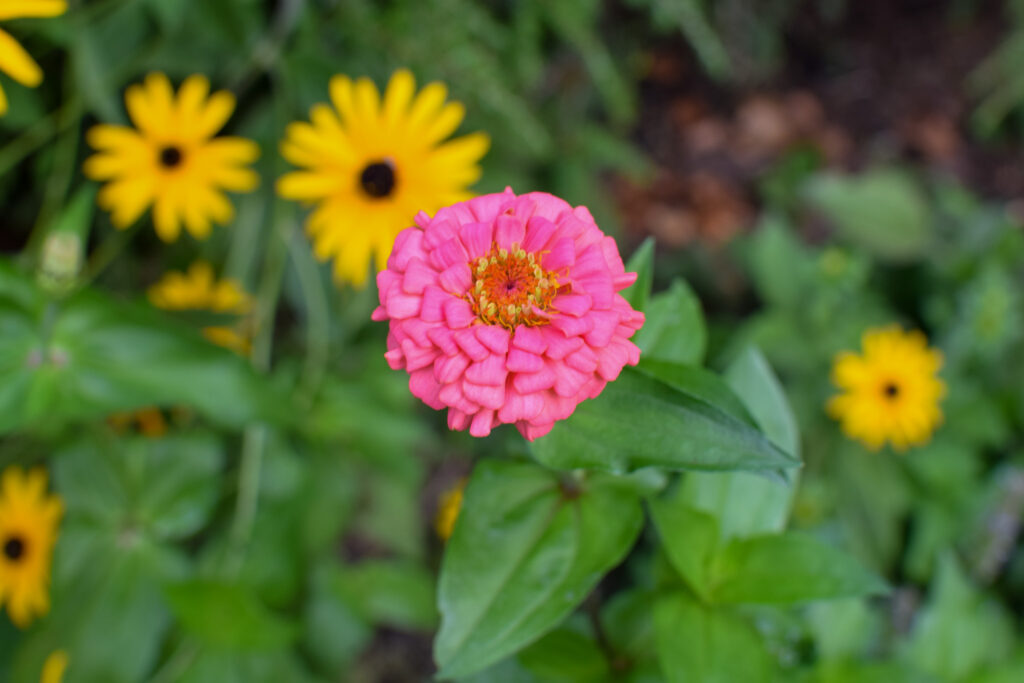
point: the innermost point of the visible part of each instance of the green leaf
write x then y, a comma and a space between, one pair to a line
689, 537
674, 330
638, 421
226, 615
698, 643
882, 211
961, 631
164, 488
641, 263
788, 568
524, 554
752, 378
333, 632
391, 592
90, 356
698, 383
745, 504
566, 655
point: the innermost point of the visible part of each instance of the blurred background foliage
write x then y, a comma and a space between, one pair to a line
810, 167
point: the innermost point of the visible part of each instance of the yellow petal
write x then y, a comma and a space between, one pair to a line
398, 96
18, 9
17, 63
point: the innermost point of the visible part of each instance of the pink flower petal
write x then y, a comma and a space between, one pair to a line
494, 337
508, 231
562, 255
482, 423
457, 279
530, 339
423, 387
477, 238
539, 231
486, 395
433, 304
401, 305
572, 304
458, 313
467, 341
523, 361
417, 276
489, 371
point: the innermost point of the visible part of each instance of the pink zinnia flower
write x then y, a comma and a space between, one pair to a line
505, 309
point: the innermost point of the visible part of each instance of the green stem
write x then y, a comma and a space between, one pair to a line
255, 437
317, 319
39, 134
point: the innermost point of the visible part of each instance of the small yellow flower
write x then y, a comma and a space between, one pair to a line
170, 160
448, 510
891, 392
198, 290
54, 667
14, 61
28, 532
370, 164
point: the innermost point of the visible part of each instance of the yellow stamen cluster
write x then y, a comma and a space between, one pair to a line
509, 285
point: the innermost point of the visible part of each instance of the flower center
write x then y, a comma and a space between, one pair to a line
509, 286
14, 548
891, 390
170, 156
378, 179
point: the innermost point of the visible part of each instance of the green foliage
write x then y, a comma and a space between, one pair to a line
527, 551
702, 519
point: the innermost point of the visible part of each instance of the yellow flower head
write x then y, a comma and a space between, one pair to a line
14, 61
28, 532
170, 160
890, 392
54, 667
448, 510
198, 290
372, 163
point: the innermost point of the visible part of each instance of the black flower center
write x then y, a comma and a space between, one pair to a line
14, 548
170, 156
378, 179
891, 390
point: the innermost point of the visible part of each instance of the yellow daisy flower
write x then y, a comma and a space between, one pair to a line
448, 509
170, 160
14, 61
28, 532
891, 392
371, 164
198, 290
54, 667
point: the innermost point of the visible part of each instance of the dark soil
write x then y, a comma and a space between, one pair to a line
885, 83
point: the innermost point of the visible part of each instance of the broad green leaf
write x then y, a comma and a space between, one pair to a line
752, 379
844, 629
227, 616
524, 554
333, 632
628, 623
698, 383
961, 631
641, 263
91, 355
638, 421
882, 210
674, 330
566, 655
689, 537
710, 645
391, 592
745, 504
788, 568
218, 666
781, 265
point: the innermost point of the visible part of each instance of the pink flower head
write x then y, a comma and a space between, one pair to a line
505, 309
